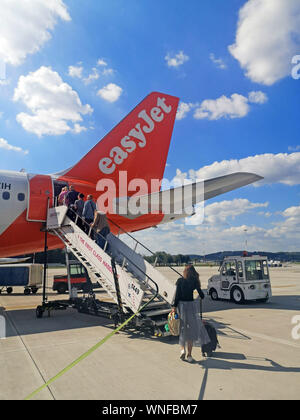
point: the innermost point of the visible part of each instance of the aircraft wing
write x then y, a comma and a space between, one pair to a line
178, 202
13, 260
216, 186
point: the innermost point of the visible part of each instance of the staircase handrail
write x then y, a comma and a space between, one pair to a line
77, 217
140, 243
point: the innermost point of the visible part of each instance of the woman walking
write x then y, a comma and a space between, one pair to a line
192, 330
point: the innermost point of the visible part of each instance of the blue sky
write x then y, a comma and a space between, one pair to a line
183, 49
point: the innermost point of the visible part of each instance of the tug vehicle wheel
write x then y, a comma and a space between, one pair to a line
213, 294
237, 295
39, 312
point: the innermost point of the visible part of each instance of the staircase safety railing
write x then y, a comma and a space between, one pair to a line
138, 243
91, 233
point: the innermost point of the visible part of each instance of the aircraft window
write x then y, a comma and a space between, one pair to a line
21, 197
6, 195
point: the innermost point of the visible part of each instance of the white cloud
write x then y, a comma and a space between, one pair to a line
78, 128
183, 110
92, 77
257, 97
101, 62
220, 212
281, 168
218, 62
6, 146
237, 106
175, 238
26, 25
289, 228
268, 36
177, 60
53, 103
108, 72
4, 82
234, 107
294, 148
110, 92
75, 71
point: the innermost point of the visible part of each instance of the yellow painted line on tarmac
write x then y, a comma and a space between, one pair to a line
87, 353
16, 308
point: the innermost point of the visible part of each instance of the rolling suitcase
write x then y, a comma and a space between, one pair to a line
207, 349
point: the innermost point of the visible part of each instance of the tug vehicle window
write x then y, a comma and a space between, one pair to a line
265, 268
230, 268
256, 270
240, 269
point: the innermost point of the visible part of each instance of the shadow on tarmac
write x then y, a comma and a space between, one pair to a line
26, 322
217, 362
285, 302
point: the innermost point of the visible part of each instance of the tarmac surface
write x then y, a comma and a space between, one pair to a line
259, 356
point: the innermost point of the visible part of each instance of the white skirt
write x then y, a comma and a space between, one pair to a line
191, 325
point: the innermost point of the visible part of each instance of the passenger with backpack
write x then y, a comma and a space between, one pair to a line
101, 228
88, 212
78, 207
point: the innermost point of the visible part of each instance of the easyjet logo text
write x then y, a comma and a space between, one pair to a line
137, 136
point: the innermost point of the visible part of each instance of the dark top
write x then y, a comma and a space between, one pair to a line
89, 210
71, 197
79, 205
185, 289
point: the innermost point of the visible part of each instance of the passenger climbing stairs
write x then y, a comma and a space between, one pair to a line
132, 284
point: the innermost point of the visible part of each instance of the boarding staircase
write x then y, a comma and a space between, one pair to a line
133, 284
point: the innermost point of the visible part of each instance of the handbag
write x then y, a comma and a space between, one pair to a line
174, 324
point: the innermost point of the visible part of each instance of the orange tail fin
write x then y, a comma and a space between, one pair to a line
139, 144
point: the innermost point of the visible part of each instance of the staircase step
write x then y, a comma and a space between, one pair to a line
154, 304
161, 322
157, 309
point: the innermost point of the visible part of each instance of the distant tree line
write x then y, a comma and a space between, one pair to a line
162, 258
54, 256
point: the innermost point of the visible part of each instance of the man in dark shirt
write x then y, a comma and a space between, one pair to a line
71, 197
79, 204
78, 207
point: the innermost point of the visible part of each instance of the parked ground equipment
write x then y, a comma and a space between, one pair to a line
29, 276
240, 279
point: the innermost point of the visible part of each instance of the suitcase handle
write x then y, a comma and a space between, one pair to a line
201, 309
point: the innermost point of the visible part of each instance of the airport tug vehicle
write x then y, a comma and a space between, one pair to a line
240, 279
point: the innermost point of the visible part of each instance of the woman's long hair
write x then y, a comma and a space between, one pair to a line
190, 273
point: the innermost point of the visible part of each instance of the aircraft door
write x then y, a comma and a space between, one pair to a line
40, 188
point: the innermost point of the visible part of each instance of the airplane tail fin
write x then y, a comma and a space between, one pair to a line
139, 145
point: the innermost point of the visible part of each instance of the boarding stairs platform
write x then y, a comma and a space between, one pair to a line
132, 284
